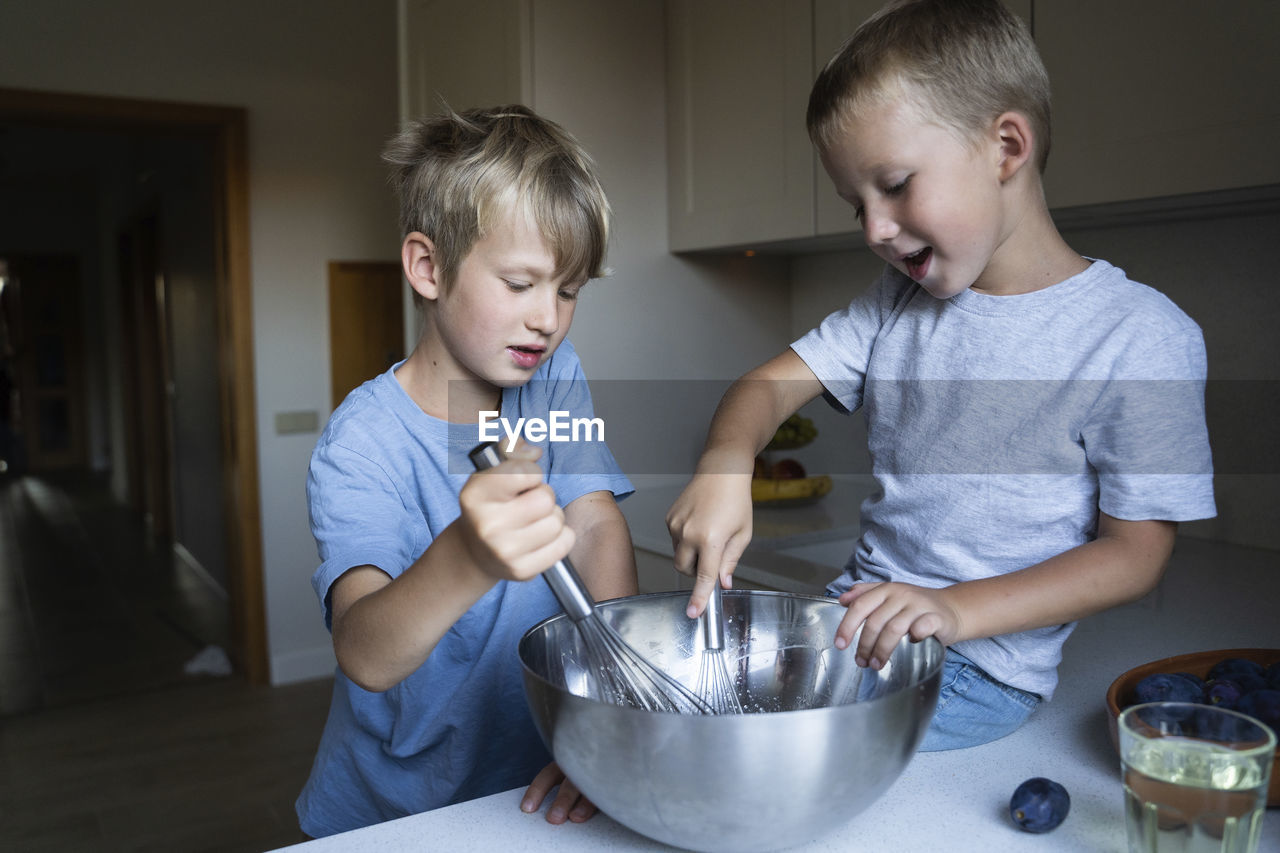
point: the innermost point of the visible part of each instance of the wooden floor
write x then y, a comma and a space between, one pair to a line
210, 767
107, 743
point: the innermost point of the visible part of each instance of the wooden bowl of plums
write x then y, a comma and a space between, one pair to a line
1245, 680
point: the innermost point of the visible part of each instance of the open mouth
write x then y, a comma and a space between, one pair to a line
526, 356
918, 262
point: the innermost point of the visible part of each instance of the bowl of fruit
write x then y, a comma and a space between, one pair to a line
784, 481
1244, 680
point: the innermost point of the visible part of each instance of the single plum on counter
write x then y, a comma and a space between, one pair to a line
1039, 805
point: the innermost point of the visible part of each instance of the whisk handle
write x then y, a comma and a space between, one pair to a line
713, 621
564, 581
569, 591
484, 456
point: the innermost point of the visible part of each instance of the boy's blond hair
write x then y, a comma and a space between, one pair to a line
457, 175
963, 62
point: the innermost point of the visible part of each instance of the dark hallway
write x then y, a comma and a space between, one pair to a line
106, 742
89, 606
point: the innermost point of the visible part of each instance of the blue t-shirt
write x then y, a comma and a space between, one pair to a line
383, 483
998, 426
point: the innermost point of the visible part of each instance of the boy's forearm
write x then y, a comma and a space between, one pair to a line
752, 409
388, 632
743, 423
603, 553
1122, 564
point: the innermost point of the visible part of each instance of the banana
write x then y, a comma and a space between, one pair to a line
784, 490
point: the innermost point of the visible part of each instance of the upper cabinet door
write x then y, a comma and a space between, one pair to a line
1159, 97
741, 170
740, 164
466, 53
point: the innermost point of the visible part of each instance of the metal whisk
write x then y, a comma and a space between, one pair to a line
622, 675
715, 686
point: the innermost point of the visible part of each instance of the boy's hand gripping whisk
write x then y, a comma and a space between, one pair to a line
621, 675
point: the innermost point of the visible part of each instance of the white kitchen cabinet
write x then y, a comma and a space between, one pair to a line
740, 166
468, 53
742, 172
1157, 98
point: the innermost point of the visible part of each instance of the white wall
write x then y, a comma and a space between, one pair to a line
319, 82
1219, 271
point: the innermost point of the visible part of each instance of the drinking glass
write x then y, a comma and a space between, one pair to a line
1195, 778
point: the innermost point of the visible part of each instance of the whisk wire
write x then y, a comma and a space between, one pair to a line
626, 678
715, 685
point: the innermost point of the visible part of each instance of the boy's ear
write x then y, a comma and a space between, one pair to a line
417, 256
1014, 137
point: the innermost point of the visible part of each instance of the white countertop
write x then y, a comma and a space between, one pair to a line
1213, 597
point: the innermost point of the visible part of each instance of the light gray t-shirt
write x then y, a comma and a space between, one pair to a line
998, 427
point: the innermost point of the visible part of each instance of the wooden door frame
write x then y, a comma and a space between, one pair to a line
226, 128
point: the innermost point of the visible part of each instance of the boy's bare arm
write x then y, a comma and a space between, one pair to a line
383, 629
603, 553
509, 528
1124, 563
710, 522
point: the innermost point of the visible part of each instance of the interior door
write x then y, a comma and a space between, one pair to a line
366, 322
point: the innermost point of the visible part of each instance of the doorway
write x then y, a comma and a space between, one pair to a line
148, 444
366, 322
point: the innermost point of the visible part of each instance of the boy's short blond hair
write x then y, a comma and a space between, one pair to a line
964, 62
457, 175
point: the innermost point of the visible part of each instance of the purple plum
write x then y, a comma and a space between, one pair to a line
1169, 687
1248, 682
1233, 667
1263, 705
1223, 692
1039, 805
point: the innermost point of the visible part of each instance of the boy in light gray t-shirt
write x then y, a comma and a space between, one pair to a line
1035, 419
988, 464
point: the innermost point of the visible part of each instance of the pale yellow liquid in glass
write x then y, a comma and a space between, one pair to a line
1184, 796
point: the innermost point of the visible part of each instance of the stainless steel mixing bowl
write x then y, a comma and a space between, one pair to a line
822, 738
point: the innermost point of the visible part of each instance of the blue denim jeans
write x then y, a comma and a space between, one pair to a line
974, 708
